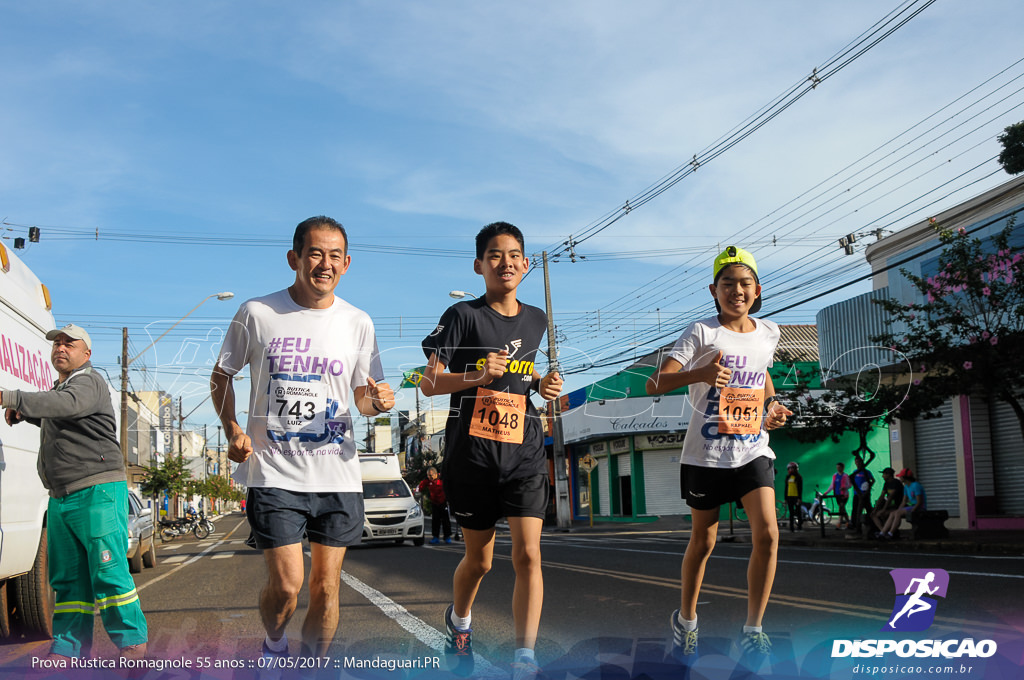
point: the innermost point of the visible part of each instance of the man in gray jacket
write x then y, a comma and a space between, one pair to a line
81, 465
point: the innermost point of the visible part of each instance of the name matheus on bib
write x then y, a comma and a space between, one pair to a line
740, 410
498, 416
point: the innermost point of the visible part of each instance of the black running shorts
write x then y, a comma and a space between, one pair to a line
706, 488
480, 506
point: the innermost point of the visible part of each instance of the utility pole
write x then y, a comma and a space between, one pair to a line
181, 431
124, 396
563, 509
205, 454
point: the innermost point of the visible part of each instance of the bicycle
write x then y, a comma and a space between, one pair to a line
818, 512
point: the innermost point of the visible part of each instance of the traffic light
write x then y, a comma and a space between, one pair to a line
33, 234
19, 243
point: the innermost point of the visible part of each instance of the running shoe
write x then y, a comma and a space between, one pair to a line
755, 644
458, 643
435, 540
684, 642
525, 670
272, 663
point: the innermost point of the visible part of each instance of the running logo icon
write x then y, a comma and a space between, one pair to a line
914, 609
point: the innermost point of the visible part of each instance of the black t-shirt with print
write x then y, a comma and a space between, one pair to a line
895, 486
493, 433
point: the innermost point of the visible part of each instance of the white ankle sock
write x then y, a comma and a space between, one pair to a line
462, 622
752, 629
687, 624
524, 654
277, 645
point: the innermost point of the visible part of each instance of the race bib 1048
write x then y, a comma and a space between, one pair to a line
498, 416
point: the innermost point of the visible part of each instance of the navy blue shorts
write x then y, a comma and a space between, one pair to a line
706, 488
479, 506
278, 517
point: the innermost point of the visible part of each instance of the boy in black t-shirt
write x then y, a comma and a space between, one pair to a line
494, 462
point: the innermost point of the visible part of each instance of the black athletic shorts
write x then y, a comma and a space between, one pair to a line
278, 517
479, 506
706, 488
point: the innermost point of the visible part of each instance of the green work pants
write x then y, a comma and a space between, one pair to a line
87, 542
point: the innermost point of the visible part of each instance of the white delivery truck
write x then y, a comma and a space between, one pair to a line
26, 599
391, 511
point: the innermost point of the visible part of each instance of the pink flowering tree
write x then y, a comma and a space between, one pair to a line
967, 336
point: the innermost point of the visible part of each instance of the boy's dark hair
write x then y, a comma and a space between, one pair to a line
318, 222
496, 229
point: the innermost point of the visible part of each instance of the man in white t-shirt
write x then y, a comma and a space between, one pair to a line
311, 355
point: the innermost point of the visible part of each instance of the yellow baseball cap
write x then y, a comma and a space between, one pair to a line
736, 255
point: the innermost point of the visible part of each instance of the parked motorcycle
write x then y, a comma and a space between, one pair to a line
199, 525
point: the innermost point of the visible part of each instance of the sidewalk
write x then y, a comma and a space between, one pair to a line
960, 541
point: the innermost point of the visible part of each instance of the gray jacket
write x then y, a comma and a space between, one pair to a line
78, 445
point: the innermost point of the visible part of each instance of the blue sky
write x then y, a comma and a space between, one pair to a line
193, 136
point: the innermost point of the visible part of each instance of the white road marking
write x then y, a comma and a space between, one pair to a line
426, 634
222, 555
161, 577
586, 543
175, 559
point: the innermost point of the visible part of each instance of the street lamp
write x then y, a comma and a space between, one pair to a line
459, 294
126, 362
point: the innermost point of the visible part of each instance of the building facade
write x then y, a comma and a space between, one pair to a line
970, 459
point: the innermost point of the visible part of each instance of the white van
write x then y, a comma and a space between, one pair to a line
391, 512
24, 365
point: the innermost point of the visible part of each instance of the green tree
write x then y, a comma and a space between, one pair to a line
1012, 155
417, 464
967, 337
171, 476
857, 404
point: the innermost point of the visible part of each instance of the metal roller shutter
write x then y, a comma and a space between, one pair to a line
601, 482
624, 467
1008, 458
661, 483
936, 461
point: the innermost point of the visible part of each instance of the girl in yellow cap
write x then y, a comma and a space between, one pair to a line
724, 360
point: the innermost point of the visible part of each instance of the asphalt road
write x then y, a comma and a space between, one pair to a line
608, 598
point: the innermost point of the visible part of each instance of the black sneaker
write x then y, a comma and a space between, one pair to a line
458, 643
684, 642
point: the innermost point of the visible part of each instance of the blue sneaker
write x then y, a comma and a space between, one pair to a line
755, 645
448, 541
684, 642
458, 644
435, 540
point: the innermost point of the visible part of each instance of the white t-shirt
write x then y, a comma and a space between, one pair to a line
304, 364
749, 355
